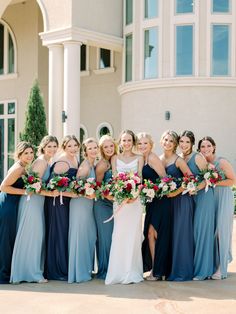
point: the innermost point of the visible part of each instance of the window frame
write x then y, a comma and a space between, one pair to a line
106, 70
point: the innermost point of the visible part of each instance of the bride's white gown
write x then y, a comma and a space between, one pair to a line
125, 261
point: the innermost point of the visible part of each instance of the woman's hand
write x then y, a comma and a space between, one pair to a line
109, 197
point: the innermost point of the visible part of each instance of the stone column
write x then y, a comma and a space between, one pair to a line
55, 94
72, 87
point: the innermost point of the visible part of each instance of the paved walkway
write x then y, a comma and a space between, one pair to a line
208, 297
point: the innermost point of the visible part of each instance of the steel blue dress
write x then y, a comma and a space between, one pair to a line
182, 232
29, 249
82, 238
203, 228
103, 209
8, 219
57, 227
224, 204
158, 214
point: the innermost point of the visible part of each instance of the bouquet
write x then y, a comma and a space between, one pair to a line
189, 184
148, 190
84, 187
60, 183
104, 189
211, 175
32, 183
125, 186
166, 185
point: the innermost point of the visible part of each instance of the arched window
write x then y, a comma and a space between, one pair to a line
103, 129
7, 50
82, 137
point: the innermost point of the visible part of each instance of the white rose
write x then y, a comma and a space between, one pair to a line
206, 175
164, 188
89, 191
150, 193
173, 186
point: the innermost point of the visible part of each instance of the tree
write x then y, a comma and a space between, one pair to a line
35, 123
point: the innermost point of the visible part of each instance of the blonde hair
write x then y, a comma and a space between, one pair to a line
174, 136
20, 148
68, 138
45, 141
145, 135
85, 144
101, 142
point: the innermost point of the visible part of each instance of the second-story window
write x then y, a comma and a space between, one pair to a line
220, 6
150, 9
184, 6
128, 12
151, 52
105, 58
128, 57
83, 58
7, 51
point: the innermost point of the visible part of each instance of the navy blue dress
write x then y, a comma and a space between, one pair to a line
8, 219
182, 232
57, 227
158, 214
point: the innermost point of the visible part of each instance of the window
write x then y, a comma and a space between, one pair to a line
82, 136
128, 12
150, 53
220, 6
103, 129
105, 58
128, 57
151, 9
184, 50
83, 58
184, 6
7, 136
220, 49
7, 50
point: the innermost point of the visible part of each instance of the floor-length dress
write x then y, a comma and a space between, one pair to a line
182, 232
224, 205
82, 238
57, 226
29, 249
103, 210
203, 228
158, 214
8, 219
125, 262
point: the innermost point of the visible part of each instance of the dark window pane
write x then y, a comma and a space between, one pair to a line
81, 138
103, 131
1, 48
10, 55
11, 136
1, 108
11, 108
129, 12
128, 58
105, 58
83, 58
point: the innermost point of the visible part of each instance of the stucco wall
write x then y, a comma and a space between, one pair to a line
204, 110
100, 100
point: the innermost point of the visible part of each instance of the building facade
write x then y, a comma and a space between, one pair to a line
147, 65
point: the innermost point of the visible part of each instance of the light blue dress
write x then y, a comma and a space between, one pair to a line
29, 249
224, 204
82, 238
203, 228
103, 209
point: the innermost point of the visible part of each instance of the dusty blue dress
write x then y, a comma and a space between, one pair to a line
203, 228
182, 232
224, 204
158, 214
29, 249
82, 238
8, 219
57, 226
103, 209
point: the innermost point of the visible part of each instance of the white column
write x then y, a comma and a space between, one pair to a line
55, 94
72, 87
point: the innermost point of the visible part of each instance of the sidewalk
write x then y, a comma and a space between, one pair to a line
209, 296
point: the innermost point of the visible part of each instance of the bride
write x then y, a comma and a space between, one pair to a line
125, 262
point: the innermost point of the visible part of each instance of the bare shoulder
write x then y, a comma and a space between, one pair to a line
224, 163
101, 165
153, 158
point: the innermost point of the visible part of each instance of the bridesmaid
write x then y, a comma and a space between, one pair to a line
103, 208
157, 225
29, 249
57, 215
204, 214
224, 205
11, 190
125, 261
182, 212
82, 228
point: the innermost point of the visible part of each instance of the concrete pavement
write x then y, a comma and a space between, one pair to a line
200, 297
